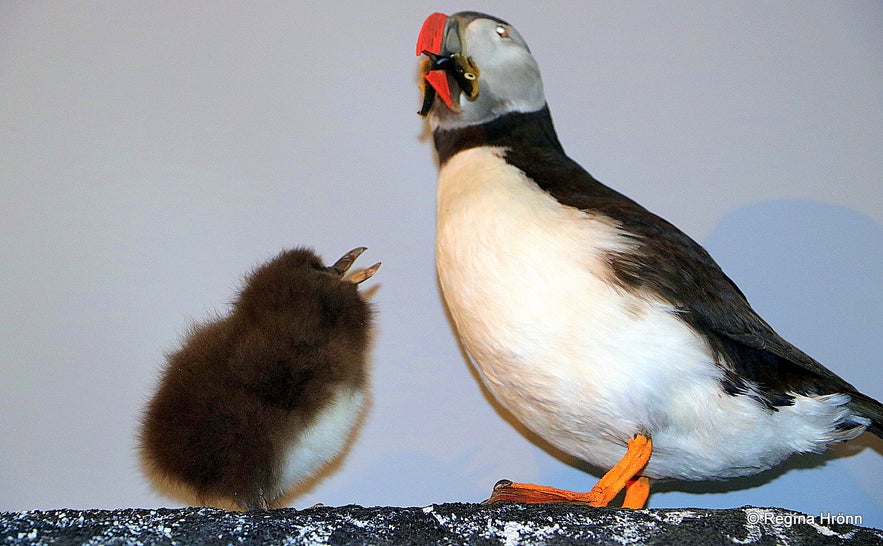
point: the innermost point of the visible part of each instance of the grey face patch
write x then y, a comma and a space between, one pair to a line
509, 78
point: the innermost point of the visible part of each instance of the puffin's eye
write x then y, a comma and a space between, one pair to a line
502, 32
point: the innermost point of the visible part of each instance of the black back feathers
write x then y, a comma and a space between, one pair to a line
667, 263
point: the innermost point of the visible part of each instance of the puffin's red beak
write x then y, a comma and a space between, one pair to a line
431, 39
432, 34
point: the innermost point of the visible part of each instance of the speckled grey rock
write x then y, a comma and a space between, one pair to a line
435, 524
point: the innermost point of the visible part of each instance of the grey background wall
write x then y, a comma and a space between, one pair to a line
153, 153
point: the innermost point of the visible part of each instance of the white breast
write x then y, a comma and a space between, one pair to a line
323, 440
582, 363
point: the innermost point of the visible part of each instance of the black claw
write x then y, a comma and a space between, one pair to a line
502, 483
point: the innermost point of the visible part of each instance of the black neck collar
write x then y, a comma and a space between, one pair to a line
533, 129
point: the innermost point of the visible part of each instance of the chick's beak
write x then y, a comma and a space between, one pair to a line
343, 265
440, 40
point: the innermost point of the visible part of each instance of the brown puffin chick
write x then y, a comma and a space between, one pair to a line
256, 402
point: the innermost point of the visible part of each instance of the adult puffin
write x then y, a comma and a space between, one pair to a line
599, 325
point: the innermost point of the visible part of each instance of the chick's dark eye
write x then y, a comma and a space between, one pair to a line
502, 32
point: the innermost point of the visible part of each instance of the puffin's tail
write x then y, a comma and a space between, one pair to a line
865, 406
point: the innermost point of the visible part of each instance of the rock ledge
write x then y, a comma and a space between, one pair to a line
434, 524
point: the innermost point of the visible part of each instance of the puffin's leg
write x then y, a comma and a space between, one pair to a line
632, 463
623, 474
636, 492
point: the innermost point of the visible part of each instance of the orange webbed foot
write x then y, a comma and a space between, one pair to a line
624, 475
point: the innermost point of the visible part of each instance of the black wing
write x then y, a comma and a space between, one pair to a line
668, 263
756, 361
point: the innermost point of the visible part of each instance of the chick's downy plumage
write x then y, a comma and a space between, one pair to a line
257, 401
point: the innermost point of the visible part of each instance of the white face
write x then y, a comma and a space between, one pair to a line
509, 78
